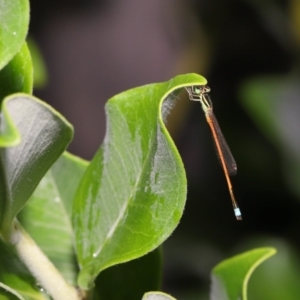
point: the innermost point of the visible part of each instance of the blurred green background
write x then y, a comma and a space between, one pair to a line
249, 53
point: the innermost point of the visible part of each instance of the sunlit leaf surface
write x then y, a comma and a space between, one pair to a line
133, 194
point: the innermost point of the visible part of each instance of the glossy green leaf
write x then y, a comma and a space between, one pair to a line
230, 277
15, 276
157, 296
14, 21
44, 136
17, 76
133, 194
277, 278
47, 214
132, 279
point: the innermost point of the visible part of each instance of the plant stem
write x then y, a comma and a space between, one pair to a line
41, 267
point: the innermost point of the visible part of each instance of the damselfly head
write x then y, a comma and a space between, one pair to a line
200, 90
196, 92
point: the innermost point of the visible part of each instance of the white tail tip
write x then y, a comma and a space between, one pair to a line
237, 213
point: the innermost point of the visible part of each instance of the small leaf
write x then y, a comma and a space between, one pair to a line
47, 214
133, 193
15, 276
277, 278
14, 20
157, 296
17, 76
230, 277
132, 279
45, 134
9, 292
40, 70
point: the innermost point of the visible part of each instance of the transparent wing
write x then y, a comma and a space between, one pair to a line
225, 151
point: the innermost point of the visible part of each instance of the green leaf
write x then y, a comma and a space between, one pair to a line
44, 136
17, 76
68, 171
9, 292
277, 278
157, 296
40, 70
230, 277
133, 193
14, 20
16, 278
272, 102
47, 214
132, 279
260, 98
